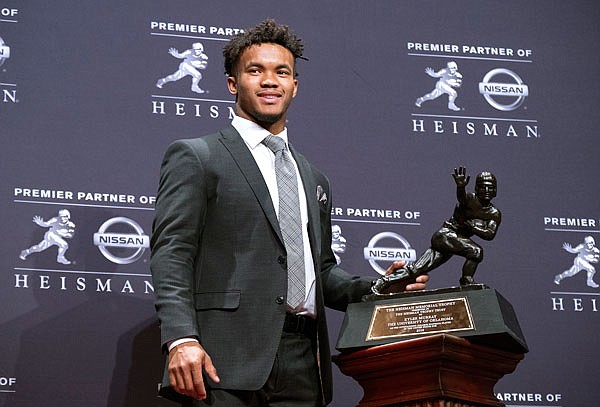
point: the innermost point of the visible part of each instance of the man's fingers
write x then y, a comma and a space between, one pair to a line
189, 386
199, 391
423, 278
415, 287
394, 266
210, 370
186, 362
174, 381
187, 381
419, 283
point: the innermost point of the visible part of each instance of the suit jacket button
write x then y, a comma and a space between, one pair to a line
281, 260
279, 300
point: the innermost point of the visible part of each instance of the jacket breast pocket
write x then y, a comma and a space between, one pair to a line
225, 300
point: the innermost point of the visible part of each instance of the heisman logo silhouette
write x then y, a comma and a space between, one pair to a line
59, 228
193, 60
587, 253
449, 78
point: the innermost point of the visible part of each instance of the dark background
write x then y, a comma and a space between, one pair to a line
85, 119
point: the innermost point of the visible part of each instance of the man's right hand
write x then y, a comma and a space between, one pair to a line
186, 363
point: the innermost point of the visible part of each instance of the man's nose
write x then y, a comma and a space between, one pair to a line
269, 80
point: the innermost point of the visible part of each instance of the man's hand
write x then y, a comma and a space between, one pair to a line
186, 363
419, 283
394, 266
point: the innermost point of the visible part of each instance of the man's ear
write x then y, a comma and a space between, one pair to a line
232, 85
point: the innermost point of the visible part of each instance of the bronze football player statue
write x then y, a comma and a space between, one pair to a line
474, 215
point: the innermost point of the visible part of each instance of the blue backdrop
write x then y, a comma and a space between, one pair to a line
84, 127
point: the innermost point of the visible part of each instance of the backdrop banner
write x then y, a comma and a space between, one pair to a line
393, 97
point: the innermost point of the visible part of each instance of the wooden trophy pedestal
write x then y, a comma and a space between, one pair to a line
440, 370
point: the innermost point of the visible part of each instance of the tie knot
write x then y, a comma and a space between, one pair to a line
274, 143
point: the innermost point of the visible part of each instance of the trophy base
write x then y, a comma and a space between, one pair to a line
475, 312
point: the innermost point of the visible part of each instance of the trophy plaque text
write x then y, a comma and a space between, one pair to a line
424, 317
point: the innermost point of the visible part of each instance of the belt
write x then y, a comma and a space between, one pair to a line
294, 323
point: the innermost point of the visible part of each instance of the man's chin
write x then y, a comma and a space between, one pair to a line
268, 118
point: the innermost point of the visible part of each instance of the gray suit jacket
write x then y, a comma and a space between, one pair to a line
218, 259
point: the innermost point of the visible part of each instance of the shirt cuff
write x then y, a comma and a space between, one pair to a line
180, 341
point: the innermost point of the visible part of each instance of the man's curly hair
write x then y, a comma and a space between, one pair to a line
266, 32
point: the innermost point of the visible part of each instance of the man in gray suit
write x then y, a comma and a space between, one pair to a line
219, 261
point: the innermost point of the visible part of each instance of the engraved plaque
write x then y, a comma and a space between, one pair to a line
417, 318
477, 312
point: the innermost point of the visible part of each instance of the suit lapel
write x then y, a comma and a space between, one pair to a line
234, 143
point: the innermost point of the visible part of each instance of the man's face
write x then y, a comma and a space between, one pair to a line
264, 85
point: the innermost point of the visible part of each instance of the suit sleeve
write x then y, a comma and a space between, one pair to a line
339, 287
176, 232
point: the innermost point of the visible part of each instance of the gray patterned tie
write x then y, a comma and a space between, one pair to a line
289, 218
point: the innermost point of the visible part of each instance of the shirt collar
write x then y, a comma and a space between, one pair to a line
252, 133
